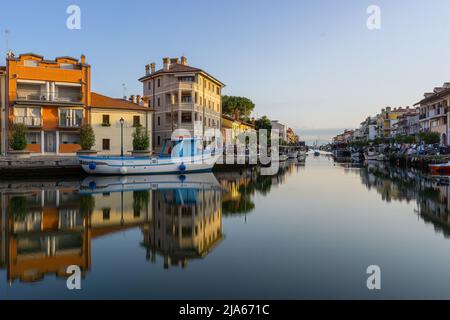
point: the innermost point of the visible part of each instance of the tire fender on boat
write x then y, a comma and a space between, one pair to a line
182, 167
123, 170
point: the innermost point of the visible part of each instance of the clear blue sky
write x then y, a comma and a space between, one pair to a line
311, 64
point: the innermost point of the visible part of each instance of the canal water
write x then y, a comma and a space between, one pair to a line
309, 232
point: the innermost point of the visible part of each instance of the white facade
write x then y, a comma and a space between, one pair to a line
282, 129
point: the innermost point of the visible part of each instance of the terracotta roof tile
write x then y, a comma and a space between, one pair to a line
101, 101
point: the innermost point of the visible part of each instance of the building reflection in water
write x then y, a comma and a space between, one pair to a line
431, 194
46, 227
187, 221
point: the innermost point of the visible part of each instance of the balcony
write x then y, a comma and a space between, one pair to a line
29, 121
43, 96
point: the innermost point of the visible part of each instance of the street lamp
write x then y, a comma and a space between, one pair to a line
121, 136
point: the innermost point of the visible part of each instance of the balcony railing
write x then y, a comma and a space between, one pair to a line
43, 96
29, 121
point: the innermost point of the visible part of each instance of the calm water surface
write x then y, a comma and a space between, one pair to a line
309, 232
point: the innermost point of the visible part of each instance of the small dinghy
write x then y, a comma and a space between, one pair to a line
182, 156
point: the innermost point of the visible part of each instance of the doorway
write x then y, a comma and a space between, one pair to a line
50, 142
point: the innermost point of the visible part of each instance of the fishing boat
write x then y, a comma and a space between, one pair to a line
177, 156
440, 169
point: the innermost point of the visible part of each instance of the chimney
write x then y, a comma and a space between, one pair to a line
153, 67
131, 99
145, 101
236, 114
174, 61
83, 59
166, 63
147, 69
183, 60
138, 99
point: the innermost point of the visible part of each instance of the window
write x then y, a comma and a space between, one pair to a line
69, 138
159, 102
106, 144
186, 79
70, 118
186, 117
149, 85
34, 138
217, 90
159, 121
159, 140
106, 213
196, 97
159, 83
66, 66
29, 116
186, 99
105, 121
136, 121
30, 63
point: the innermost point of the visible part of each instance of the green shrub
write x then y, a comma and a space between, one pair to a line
87, 137
430, 137
18, 138
141, 139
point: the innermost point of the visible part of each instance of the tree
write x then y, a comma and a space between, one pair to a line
244, 106
430, 137
263, 123
18, 139
141, 139
87, 137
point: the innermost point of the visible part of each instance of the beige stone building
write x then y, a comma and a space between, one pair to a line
105, 114
182, 96
433, 113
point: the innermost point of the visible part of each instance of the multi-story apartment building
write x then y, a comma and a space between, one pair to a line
51, 97
282, 129
433, 113
408, 123
3, 135
183, 97
389, 118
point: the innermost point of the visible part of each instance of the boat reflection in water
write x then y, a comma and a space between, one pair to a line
431, 194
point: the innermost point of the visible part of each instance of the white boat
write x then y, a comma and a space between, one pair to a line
106, 184
371, 154
183, 156
316, 153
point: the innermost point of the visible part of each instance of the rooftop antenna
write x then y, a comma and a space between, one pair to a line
124, 87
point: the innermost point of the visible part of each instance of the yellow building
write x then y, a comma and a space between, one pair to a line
105, 116
233, 127
3, 135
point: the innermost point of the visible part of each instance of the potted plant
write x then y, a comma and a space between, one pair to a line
87, 140
18, 141
141, 143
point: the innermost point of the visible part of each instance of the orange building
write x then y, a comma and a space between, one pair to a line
51, 97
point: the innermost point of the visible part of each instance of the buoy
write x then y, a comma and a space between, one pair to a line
123, 170
182, 178
92, 165
182, 167
92, 185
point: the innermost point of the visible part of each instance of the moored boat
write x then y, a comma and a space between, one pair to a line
183, 156
440, 169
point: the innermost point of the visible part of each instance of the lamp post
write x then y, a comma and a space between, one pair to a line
121, 136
